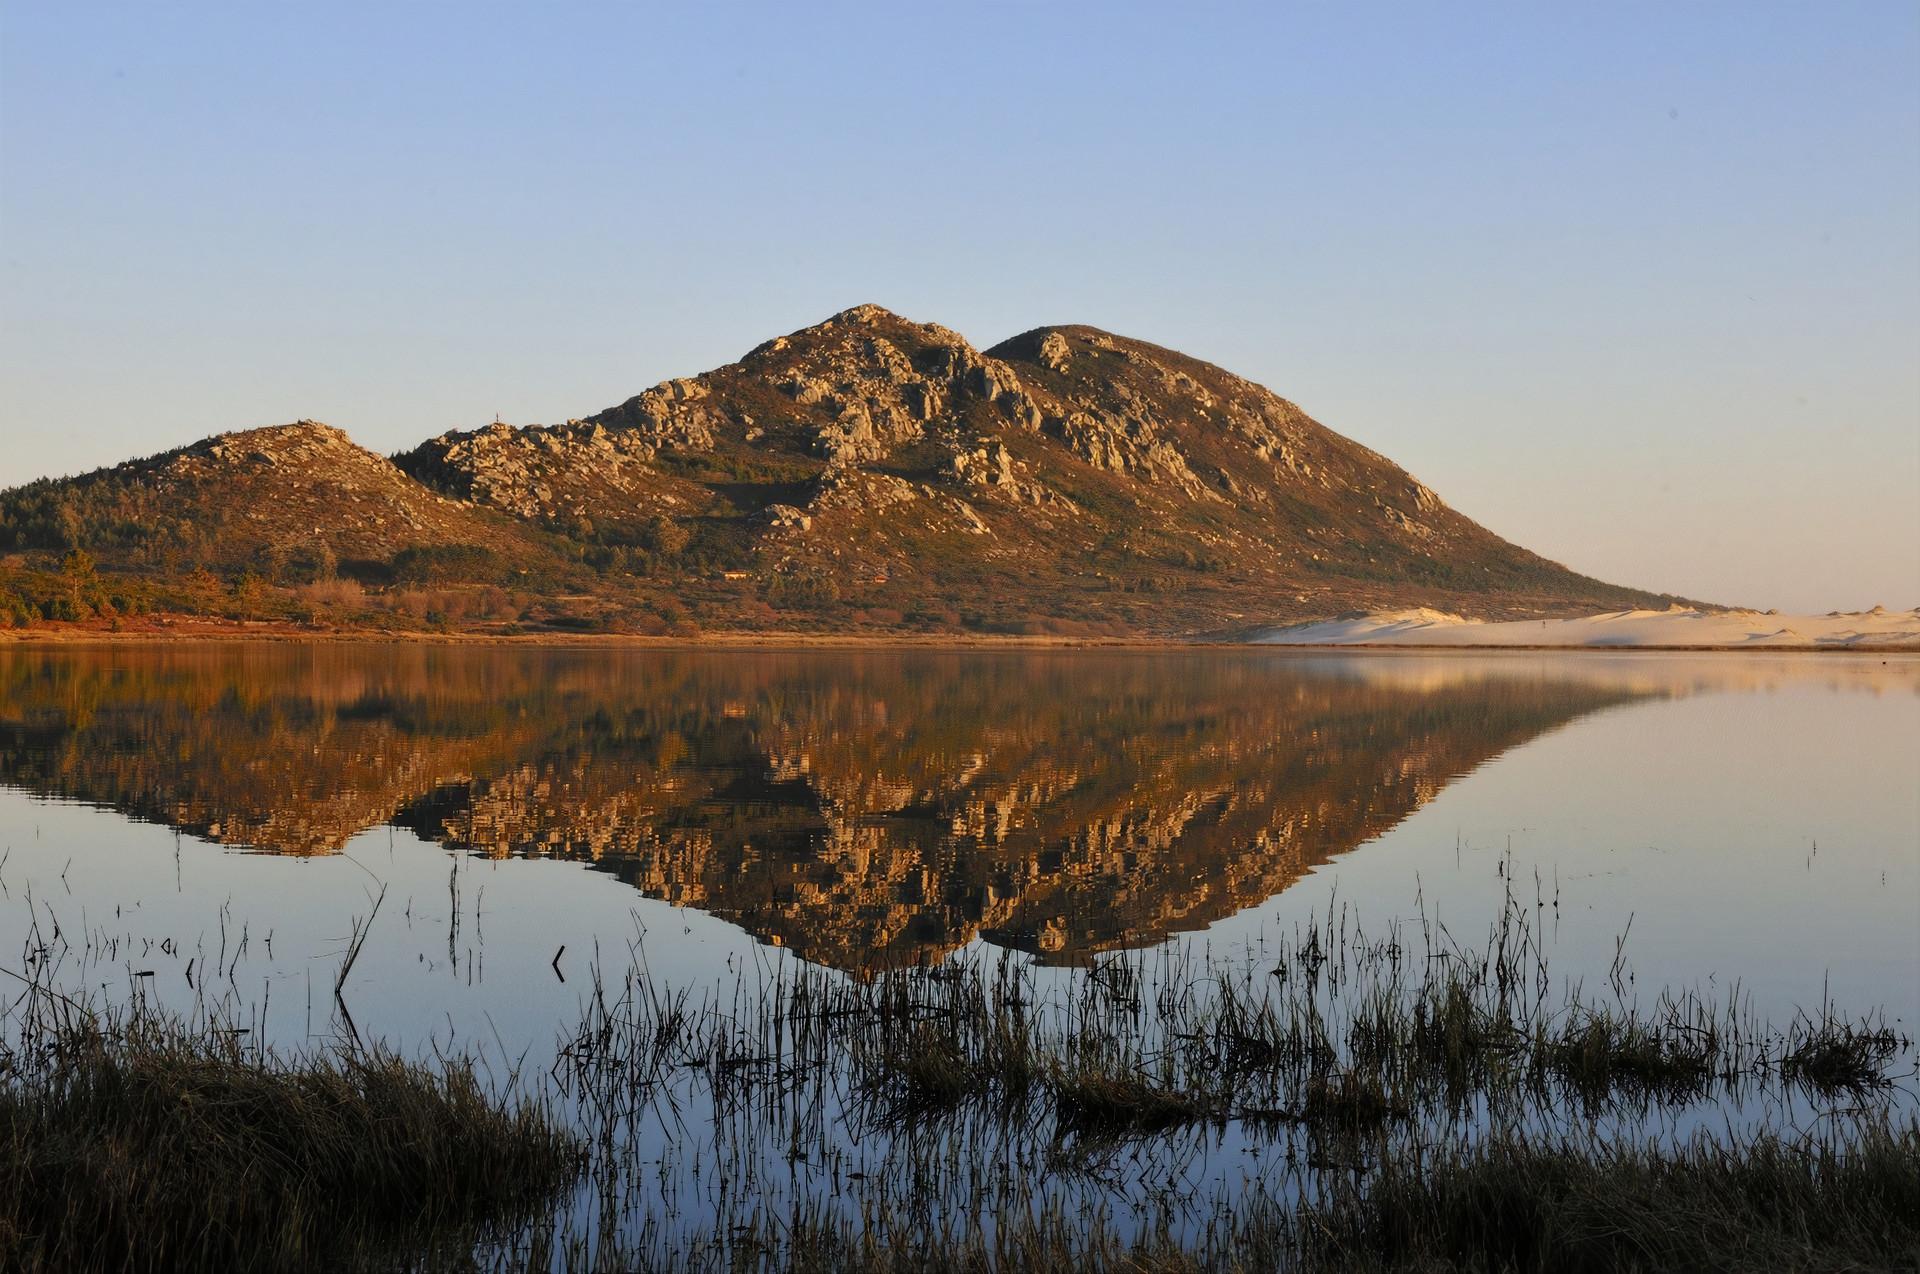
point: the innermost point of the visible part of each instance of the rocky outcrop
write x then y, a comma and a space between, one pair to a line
560, 472
871, 383
670, 415
992, 467
786, 517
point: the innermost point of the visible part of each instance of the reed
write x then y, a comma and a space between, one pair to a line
1766, 1201
136, 1140
1327, 1099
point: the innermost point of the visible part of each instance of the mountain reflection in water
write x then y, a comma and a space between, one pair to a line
866, 809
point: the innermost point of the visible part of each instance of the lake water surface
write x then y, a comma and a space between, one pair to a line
187, 821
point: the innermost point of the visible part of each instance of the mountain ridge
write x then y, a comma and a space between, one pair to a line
866, 472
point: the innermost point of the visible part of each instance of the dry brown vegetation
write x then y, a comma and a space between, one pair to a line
134, 1140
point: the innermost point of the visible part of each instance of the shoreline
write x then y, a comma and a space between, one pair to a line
244, 631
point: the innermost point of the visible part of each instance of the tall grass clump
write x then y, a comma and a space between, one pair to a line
137, 1141
1765, 1201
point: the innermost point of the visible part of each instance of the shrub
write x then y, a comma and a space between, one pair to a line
335, 594
664, 537
803, 590
301, 563
440, 563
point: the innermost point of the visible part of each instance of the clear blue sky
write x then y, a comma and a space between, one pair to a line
1637, 286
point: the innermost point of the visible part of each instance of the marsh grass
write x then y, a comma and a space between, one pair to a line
973, 1115
138, 1141
1832, 1055
1766, 1201
1326, 1099
1329, 1029
1094, 1100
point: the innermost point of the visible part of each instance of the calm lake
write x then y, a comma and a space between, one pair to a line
211, 824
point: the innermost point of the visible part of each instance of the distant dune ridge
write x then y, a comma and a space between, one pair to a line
1675, 627
866, 473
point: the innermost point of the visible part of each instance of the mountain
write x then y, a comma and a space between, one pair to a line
866, 472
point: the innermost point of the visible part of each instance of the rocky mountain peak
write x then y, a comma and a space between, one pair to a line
301, 440
852, 389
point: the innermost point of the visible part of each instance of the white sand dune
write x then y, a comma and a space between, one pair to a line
1741, 629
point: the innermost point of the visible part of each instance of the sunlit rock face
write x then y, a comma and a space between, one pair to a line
865, 810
